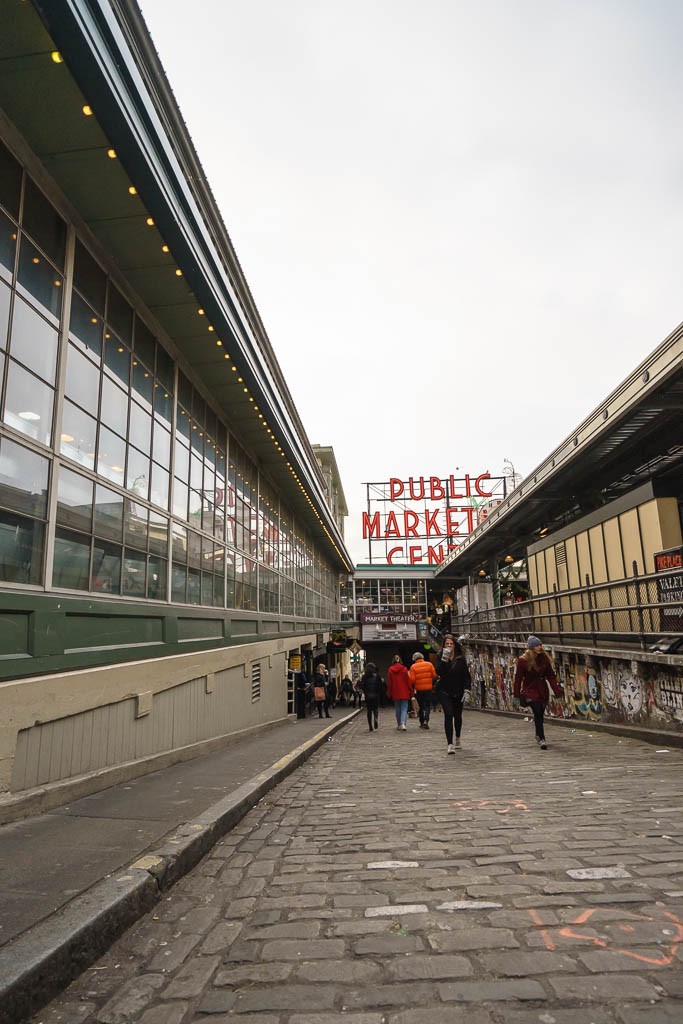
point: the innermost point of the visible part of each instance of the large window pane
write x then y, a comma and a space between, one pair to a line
5, 295
8, 246
89, 277
134, 574
106, 568
77, 440
140, 428
165, 370
160, 482
85, 325
181, 467
178, 583
193, 586
117, 359
43, 223
114, 407
180, 499
161, 451
71, 563
82, 380
158, 533
23, 479
179, 542
21, 549
156, 578
111, 456
74, 500
163, 403
33, 341
135, 526
137, 473
144, 345
28, 404
143, 384
39, 278
10, 181
108, 513
119, 314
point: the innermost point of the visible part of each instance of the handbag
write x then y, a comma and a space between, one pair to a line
414, 704
318, 693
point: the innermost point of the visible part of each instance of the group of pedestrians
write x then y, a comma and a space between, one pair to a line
451, 683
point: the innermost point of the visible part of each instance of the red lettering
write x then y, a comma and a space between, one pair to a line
435, 555
415, 554
451, 485
410, 521
436, 490
483, 476
431, 524
390, 555
452, 522
370, 526
469, 512
395, 488
468, 486
391, 529
411, 487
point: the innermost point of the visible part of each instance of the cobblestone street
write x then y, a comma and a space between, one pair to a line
387, 883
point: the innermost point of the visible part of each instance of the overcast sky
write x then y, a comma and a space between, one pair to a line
461, 221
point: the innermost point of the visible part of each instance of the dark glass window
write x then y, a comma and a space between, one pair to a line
143, 384
23, 479
163, 404
28, 404
89, 277
5, 296
156, 578
193, 586
71, 563
183, 424
82, 380
8, 246
179, 542
10, 181
184, 390
74, 500
165, 368
134, 573
135, 526
39, 278
158, 533
33, 341
21, 549
85, 325
178, 583
194, 549
119, 314
117, 359
144, 343
43, 223
78, 438
106, 568
111, 456
108, 513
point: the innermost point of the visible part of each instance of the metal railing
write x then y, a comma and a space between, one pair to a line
643, 611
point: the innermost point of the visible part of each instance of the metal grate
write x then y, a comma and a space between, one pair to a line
561, 553
255, 682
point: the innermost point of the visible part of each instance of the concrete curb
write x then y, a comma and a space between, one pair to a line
659, 737
44, 960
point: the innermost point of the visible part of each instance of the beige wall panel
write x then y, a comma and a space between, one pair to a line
670, 519
597, 546
540, 569
652, 532
615, 561
630, 539
551, 568
533, 574
584, 556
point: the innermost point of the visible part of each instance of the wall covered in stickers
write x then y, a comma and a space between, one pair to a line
602, 689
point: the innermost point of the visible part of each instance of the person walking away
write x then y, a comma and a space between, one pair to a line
320, 692
346, 691
371, 688
422, 676
399, 689
331, 691
534, 673
454, 679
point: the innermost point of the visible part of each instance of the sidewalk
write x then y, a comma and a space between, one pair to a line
388, 883
50, 865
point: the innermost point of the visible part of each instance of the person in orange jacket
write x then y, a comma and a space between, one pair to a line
422, 675
399, 689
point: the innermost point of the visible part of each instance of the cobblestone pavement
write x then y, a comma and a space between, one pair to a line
387, 883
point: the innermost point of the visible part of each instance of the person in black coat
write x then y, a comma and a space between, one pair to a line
371, 687
454, 680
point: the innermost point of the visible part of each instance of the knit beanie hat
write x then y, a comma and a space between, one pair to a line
533, 641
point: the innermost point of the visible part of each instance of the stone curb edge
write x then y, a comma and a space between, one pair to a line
40, 963
660, 737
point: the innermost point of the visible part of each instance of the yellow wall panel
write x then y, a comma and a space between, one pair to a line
615, 560
630, 540
597, 545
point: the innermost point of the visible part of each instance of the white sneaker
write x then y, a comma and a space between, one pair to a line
458, 744
451, 748
403, 728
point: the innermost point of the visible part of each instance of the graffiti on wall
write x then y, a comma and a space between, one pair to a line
595, 689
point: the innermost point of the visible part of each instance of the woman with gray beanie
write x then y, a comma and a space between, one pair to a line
534, 674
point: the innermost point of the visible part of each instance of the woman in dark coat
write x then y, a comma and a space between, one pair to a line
534, 674
371, 687
454, 679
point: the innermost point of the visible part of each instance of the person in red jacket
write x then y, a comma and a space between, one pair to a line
399, 689
534, 674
